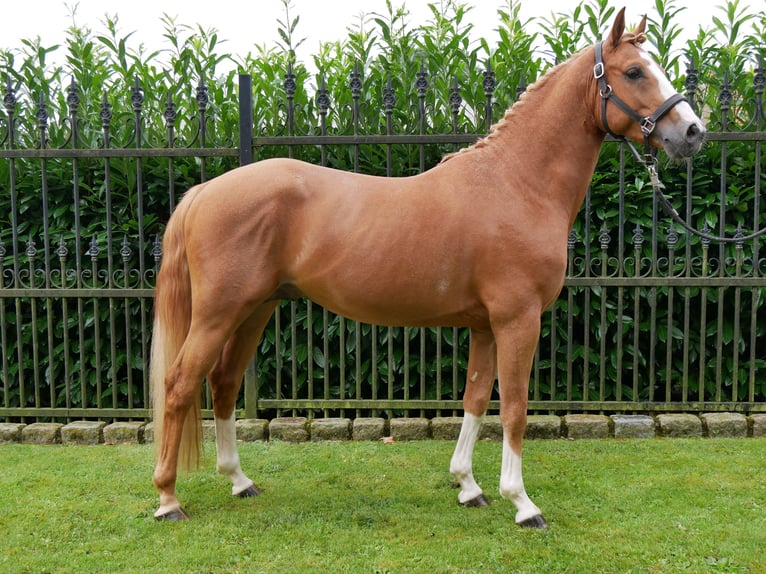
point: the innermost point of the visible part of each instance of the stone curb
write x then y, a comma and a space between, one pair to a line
83, 432
124, 433
586, 426
301, 429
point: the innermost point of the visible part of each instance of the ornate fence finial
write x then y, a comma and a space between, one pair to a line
522, 87
488, 83
289, 82
638, 236
157, 249
170, 113
31, 250
9, 97
706, 230
692, 81
572, 240
137, 96
724, 100
759, 82
421, 84
93, 249
355, 82
739, 237
125, 250
202, 96
42, 120
604, 238
455, 99
389, 100
105, 113
672, 238
73, 98
62, 250
323, 97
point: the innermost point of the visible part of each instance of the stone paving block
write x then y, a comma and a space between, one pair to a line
252, 430
543, 426
731, 425
42, 433
122, 432
586, 426
330, 429
289, 429
149, 433
208, 431
491, 428
758, 425
83, 432
446, 428
368, 428
633, 426
410, 429
679, 425
10, 432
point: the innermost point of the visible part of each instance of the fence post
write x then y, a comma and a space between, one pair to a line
246, 157
245, 119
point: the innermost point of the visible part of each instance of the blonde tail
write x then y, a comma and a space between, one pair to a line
172, 317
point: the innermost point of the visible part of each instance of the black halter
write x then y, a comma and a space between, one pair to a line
647, 123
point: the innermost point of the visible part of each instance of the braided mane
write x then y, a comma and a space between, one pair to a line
495, 129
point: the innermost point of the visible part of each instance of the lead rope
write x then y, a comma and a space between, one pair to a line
739, 237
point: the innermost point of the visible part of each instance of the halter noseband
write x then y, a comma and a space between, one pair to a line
647, 123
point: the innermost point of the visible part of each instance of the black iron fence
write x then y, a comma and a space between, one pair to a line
649, 319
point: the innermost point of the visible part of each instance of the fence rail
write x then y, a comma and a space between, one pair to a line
648, 320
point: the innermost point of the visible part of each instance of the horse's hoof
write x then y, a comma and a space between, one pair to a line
249, 492
176, 515
477, 502
536, 521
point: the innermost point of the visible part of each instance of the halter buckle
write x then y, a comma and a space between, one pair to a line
647, 125
598, 70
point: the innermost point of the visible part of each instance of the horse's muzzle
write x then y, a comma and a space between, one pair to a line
681, 142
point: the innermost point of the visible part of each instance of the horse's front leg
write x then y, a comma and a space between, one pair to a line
516, 343
482, 370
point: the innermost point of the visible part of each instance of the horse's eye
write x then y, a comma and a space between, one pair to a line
634, 73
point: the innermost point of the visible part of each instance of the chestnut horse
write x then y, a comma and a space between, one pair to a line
479, 241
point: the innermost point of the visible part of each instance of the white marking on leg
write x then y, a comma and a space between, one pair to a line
512, 484
227, 455
461, 466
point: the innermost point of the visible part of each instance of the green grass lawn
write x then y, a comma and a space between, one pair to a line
613, 506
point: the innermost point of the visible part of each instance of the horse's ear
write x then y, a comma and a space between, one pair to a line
641, 29
618, 28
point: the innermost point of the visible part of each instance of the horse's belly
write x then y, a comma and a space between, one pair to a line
396, 301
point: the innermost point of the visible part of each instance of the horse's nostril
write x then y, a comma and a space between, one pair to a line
694, 132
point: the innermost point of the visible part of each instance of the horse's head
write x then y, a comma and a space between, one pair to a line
637, 101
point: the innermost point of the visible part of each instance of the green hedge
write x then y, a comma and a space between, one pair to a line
381, 51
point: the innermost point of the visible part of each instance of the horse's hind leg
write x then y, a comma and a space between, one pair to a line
225, 380
482, 370
182, 384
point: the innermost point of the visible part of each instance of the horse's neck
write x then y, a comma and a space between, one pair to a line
549, 142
